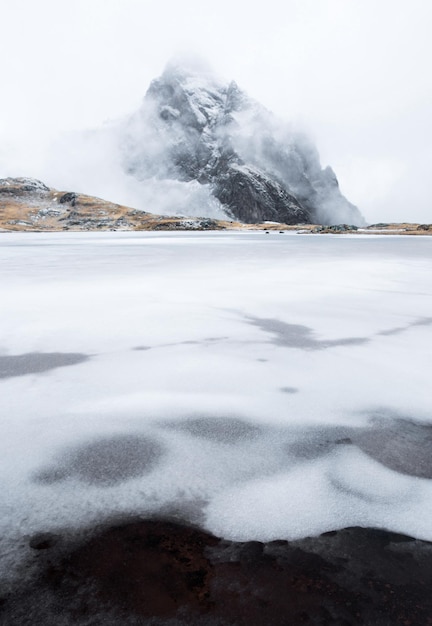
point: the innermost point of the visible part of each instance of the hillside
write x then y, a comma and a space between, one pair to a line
27, 204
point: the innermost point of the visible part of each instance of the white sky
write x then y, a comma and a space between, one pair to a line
355, 73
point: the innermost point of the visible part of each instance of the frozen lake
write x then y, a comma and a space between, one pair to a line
263, 386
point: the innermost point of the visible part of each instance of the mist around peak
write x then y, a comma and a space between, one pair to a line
199, 146
187, 63
193, 127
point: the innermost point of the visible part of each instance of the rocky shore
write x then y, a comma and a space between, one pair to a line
163, 572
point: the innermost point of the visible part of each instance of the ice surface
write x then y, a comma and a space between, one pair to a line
265, 386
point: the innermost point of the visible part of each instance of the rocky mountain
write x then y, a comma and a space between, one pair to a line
192, 127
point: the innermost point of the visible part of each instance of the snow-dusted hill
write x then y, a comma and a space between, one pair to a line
198, 131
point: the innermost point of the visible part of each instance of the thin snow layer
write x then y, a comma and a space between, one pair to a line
263, 386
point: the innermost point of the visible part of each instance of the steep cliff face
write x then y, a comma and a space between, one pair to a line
191, 127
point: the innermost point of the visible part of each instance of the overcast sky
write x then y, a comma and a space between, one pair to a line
355, 73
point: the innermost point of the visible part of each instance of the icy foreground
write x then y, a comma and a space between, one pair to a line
262, 386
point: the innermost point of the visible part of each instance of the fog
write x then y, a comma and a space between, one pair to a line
194, 131
353, 75
93, 163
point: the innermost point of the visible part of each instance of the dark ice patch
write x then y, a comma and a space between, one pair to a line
289, 389
317, 442
347, 441
51, 475
107, 461
114, 459
402, 445
392, 331
423, 321
215, 339
187, 342
352, 491
299, 336
308, 449
37, 362
219, 429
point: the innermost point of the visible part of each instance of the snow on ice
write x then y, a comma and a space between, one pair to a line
260, 386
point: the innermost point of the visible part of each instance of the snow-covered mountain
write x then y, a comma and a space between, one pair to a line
194, 129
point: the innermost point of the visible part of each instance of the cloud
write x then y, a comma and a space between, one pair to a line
354, 73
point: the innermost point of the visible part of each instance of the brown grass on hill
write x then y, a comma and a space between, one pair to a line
46, 212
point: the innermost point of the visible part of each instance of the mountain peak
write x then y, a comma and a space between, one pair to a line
193, 127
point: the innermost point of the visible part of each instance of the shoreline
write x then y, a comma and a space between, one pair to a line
301, 229
33, 207
160, 571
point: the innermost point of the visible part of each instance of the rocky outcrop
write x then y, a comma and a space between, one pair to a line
162, 572
28, 204
23, 188
69, 198
191, 127
253, 197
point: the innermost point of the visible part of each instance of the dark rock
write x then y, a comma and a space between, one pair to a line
69, 198
335, 228
150, 569
160, 572
189, 224
251, 554
207, 224
122, 223
43, 541
253, 197
23, 186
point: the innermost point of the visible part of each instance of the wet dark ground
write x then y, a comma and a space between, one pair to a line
162, 572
